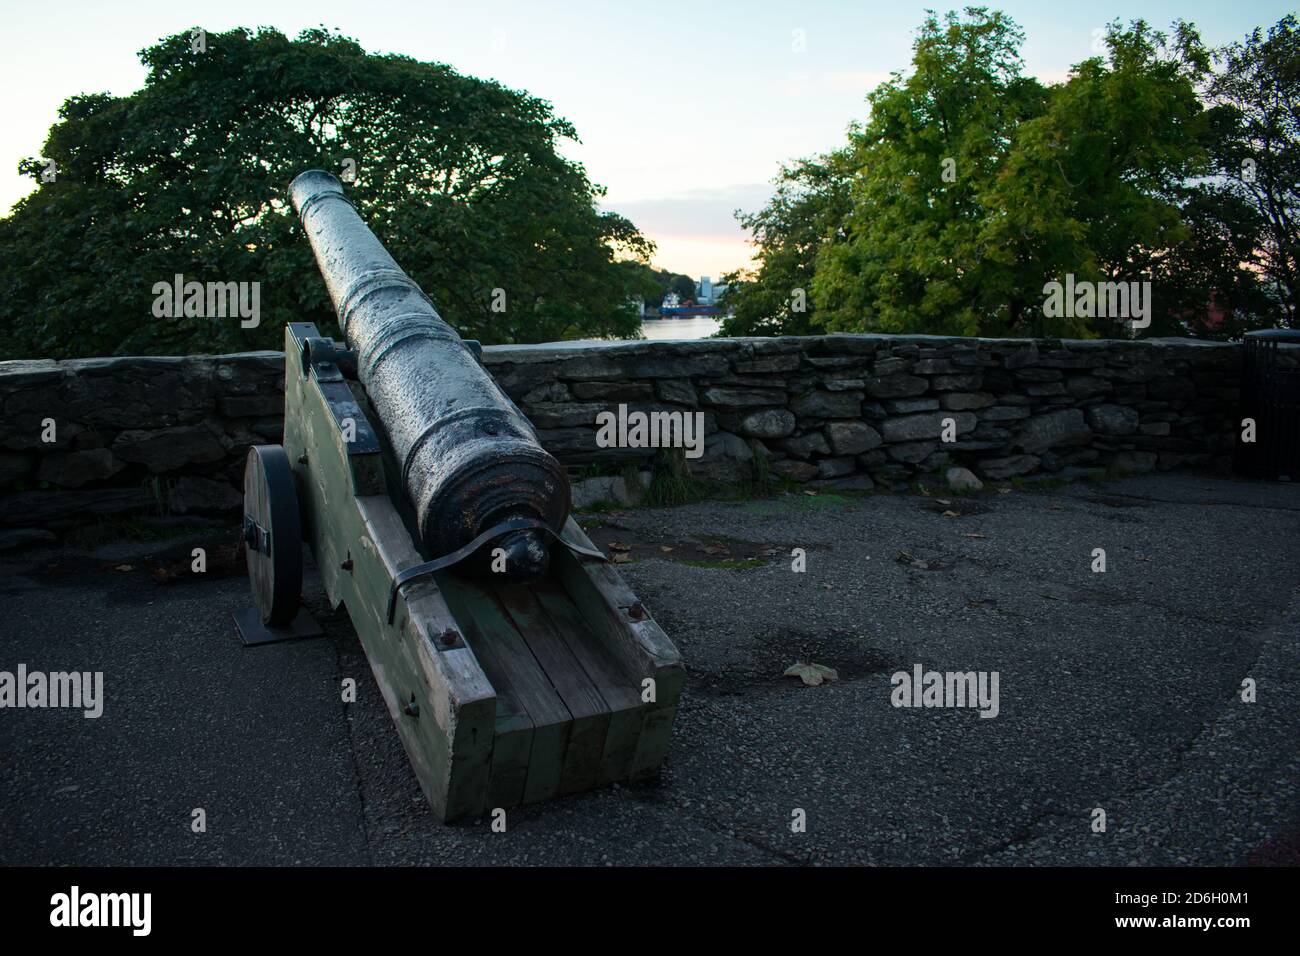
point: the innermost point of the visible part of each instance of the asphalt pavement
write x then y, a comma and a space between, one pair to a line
1118, 691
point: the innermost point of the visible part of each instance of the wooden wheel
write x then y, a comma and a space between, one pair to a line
273, 534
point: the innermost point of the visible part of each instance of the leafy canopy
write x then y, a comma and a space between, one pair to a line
1258, 153
971, 186
459, 177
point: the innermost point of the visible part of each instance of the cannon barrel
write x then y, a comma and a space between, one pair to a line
469, 459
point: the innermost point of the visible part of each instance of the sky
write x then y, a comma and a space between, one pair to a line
685, 110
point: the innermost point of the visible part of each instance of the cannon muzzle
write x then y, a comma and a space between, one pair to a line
469, 459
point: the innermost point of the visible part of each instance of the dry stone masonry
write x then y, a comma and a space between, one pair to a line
862, 410
874, 409
131, 434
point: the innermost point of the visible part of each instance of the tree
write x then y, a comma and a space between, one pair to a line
1259, 157
684, 286
971, 187
654, 284
459, 177
914, 257
1095, 185
807, 210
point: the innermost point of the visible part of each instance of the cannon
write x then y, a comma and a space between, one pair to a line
514, 661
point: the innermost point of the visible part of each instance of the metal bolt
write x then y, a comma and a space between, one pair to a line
346, 565
636, 611
449, 638
411, 709
302, 459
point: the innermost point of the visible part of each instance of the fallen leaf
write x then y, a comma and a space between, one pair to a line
908, 559
666, 548
124, 567
827, 587
714, 549
622, 558
810, 494
811, 674
952, 514
974, 534
619, 546
942, 501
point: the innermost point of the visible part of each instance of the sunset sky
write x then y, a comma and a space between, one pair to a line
685, 110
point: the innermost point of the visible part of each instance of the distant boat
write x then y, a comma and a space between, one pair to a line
683, 311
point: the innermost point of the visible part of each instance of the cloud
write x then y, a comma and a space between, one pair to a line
698, 212
696, 231
701, 255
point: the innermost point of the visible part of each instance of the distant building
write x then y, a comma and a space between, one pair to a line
707, 292
704, 291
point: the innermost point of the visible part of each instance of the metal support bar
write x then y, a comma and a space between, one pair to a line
460, 554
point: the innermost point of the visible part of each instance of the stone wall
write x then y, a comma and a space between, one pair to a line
872, 408
171, 433
131, 434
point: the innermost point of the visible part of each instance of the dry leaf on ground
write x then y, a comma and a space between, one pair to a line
811, 674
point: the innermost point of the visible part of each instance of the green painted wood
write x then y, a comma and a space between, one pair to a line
590, 713
449, 744
542, 692
618, 690
495, 633
457, 702
637, 643
513, 729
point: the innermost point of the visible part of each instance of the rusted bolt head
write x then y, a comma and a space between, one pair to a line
449, 638
637, 611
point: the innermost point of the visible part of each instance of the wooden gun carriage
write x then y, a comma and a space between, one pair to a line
515, 662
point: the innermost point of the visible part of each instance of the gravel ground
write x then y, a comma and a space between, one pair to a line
1118, 691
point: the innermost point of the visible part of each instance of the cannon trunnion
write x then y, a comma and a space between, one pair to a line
407, 468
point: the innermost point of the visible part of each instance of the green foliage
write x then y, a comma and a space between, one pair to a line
971, 186
1257, 154
811, 201
659, 282
459, 177
1093, 185
914, 256
671, 482
684, 286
